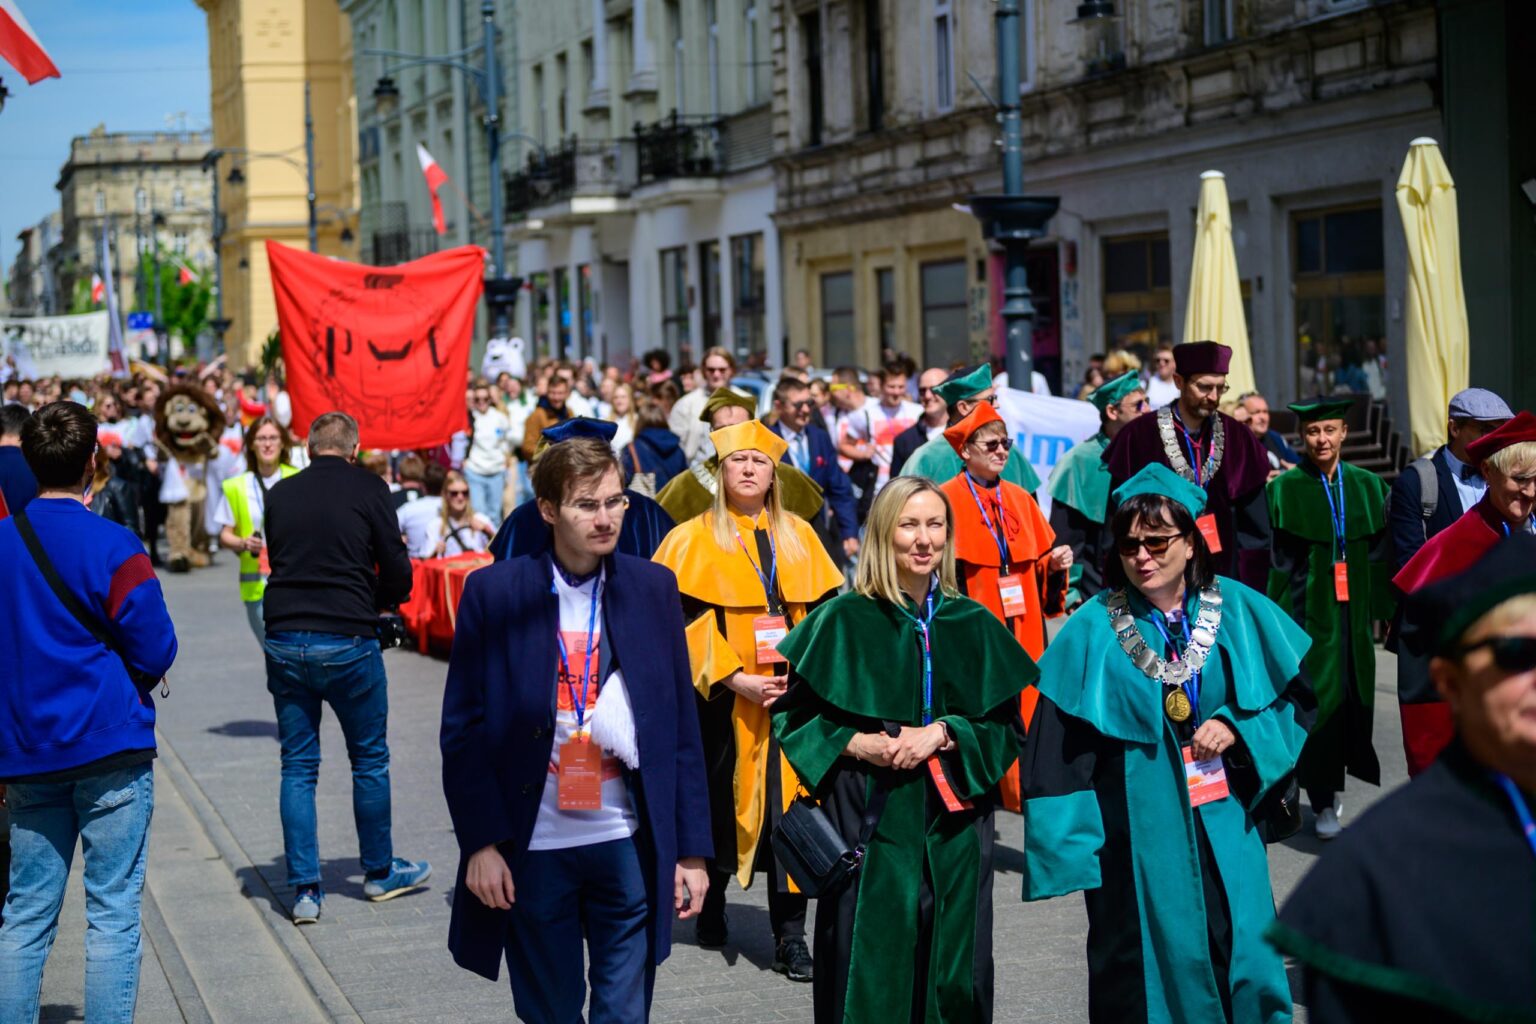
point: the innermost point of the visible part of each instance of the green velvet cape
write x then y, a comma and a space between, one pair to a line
939, 462
860, 660
1258, 653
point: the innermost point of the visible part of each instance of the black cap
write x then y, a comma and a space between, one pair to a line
1506, 570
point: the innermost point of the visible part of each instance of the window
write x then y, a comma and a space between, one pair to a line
140, 201
541, 308
943, 56
674, 299
874, 68
1218, 22
588, 70
1138, 298
178, 200
946, 330
749, 294
101, 201
810, 36
588, 317
562, 96
679, 57
712, 25
179, 243
709, 288
755, 87
539, 123
1026, 45
885, 291
1337, 261
839, 346
563, 323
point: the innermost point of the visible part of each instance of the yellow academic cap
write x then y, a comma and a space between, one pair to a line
749, 435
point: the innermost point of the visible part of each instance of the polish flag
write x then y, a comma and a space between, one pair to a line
185, 276
435, 179
98, 287
20, 47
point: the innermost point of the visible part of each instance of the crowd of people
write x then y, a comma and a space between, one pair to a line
797, 632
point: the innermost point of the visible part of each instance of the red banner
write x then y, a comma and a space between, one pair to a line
387, 345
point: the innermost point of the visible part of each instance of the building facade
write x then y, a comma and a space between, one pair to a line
1307, 106
261, 58
33, 288
147, 189
643, 205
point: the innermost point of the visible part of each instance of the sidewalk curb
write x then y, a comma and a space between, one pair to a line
322, 987
183, 986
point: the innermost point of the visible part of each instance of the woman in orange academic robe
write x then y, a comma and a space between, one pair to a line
1005, 550
748, 570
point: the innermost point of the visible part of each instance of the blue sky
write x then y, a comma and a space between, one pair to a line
126, 63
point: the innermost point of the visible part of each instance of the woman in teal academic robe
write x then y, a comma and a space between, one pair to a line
902, 683
1169, 665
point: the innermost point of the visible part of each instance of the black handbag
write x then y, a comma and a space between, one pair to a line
1278, 815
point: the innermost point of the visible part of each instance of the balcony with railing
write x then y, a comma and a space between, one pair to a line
679, 146
578, 178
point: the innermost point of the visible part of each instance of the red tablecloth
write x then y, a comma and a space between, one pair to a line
438, 585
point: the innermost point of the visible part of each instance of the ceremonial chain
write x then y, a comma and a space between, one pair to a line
1175, 452
1202, 637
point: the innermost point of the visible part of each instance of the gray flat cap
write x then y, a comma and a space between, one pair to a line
1479, 404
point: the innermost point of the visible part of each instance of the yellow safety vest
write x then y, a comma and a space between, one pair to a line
237, 491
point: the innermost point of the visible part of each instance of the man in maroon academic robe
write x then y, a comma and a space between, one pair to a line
1505, 508
1211, 449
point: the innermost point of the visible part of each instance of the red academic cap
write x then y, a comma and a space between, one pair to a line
1196, 357
1521, 428
973, 421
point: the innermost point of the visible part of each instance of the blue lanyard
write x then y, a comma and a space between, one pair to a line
1505, 525
1190, 686
1196, 460
768, 579
1002, 547
1336, 511
1522, 809
922, 635
590, 673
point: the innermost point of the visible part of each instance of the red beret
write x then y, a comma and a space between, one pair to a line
973, 421
1521, 428
1196, 357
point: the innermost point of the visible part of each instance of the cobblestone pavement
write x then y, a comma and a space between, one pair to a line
388, 962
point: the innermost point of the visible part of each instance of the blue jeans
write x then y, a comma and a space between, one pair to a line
347, 672
596, 892
485, 494
109, 814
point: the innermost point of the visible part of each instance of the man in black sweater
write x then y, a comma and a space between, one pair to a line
337, 560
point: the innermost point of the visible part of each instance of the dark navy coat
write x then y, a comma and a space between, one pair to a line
1405, 512
499, 720
524, 533
829, 476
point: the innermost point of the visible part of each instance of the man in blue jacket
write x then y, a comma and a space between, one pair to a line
77, 730
572, 764
813, 453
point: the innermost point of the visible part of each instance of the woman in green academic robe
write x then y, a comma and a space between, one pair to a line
903, 683
1170, 705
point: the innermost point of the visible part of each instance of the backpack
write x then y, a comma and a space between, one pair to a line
1429, 490
640, 483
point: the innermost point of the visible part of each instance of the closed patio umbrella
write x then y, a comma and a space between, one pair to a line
1215, 310
1438, 339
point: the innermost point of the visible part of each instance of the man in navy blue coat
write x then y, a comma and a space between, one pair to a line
572, 764
812, 452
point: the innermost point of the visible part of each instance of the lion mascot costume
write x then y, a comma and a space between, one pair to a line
188, 423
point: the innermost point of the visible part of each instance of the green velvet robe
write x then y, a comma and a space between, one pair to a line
1341, 665
895, 967
938, 461
1178, 897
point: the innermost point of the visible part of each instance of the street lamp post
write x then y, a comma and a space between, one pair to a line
309, 172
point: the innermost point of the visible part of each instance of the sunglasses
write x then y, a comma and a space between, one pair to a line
458, 494
804, 403
1156, 546
1510, 653
991, 447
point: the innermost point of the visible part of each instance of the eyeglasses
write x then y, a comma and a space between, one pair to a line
1141, 404
991, 447
1510, 653
714, 370
804, 403
457, 493
1156, 546
1210, 389
587, 508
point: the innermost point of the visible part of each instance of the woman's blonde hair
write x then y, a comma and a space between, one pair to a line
780, 519
453, 477
877, 575
1518, 459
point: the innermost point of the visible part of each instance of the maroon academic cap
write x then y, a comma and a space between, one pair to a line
1521, 428
1196, 357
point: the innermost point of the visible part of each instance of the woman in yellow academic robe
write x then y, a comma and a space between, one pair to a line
1006, 553
748, 571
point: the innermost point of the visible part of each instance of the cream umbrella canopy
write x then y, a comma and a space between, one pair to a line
1215, 310
1438, 338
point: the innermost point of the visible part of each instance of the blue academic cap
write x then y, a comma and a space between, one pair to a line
580, 426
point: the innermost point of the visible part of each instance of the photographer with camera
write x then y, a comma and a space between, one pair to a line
337, 561
84, 639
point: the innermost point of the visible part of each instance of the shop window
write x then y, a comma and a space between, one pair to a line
839, 345
748, 290
674, 299
946, 328
1337, 266
1138, 297
564, 312
885, 292
709, 282
588, 314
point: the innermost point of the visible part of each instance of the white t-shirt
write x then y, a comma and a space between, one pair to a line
488, 444
555, 829
468, 537
880, 425
418, 522
1161, 392
223, 515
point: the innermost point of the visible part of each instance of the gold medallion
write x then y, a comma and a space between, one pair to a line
1176, 704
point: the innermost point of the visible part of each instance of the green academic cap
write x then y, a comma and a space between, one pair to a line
722, 397
1114, 390
965, 384
1156, 478
1321, 408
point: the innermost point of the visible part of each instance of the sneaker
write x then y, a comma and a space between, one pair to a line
306, 905
1328, 824
404, 876
792, 959
711, 932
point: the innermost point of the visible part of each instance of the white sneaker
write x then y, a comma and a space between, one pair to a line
1328, 824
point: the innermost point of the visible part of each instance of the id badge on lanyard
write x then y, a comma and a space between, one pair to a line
767, 632
1206, 524
1010, 590
1207, 780
581, 775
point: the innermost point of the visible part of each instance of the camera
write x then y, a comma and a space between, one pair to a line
391, 630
